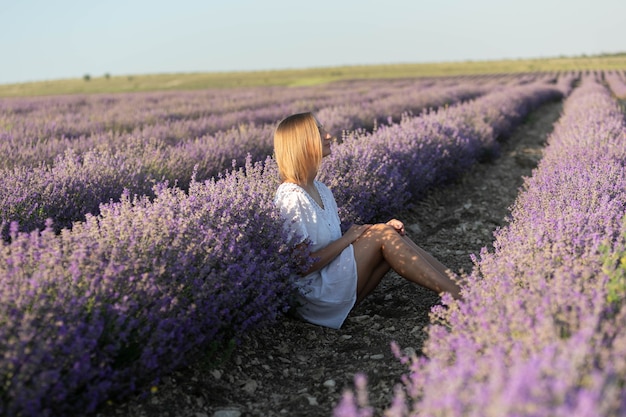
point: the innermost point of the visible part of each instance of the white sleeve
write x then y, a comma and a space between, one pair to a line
295, 210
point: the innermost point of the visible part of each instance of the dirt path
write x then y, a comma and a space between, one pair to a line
296, 369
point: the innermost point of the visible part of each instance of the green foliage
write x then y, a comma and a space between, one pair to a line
217, 354
614, 265
616, 287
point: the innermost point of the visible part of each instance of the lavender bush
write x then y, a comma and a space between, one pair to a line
537, 332
92, 313
67, 191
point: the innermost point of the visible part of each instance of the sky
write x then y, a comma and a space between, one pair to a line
55, 39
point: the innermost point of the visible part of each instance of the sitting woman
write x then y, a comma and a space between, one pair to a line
345, 268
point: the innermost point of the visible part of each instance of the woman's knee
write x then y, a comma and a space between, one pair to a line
382, 230
371, 243
368, 247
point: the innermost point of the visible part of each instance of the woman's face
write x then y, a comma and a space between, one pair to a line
326, 138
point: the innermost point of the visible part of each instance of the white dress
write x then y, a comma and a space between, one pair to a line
326, 296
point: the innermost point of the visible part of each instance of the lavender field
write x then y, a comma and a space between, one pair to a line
138, 233
539, 332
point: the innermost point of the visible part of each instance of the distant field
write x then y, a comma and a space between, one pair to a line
103, 83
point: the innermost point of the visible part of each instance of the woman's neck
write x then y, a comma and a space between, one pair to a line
308, 183
311, 189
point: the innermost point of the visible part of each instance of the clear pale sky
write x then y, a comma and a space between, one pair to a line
51, 39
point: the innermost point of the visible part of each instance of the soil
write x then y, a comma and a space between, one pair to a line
298, 369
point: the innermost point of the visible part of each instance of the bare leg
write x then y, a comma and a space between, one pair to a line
367, 284
431, 259
382, 243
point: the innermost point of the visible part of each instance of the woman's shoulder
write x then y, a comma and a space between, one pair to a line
288, 191
287, 188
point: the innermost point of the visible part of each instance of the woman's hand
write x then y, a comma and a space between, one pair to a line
398, 225
325, 255
355, 231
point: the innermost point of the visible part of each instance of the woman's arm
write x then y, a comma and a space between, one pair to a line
324, 256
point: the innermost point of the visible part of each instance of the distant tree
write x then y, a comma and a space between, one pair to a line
107, 75
86, 77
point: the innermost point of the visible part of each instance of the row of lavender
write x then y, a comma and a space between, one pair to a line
617, 83
39, 129
540, 329
402, 161
96, 312
77, 183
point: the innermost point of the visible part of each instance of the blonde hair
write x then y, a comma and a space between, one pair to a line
297, 147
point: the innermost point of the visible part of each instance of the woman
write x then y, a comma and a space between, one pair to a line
345, 268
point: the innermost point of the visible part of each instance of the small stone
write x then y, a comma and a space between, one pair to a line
217, 374
330, 383
312, 400
346, 336
409, 351
277, 398
416, 329
250, 386
227, 412
377, 356
415, 228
